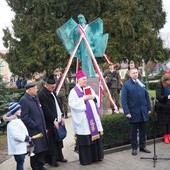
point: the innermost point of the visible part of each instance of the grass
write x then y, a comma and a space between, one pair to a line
2, 138
3, 148
152, 93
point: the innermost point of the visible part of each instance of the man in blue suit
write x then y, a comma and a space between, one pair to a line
136, 106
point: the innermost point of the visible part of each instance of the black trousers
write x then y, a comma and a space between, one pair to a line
37, 161
136, 128
165, 129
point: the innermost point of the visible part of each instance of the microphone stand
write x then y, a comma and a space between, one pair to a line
155, 157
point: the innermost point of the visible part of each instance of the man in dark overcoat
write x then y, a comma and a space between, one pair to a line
33, 118
53, 116
136, 106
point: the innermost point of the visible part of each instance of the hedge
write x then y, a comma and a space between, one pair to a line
116, 130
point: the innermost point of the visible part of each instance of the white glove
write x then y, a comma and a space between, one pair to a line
129, 115
168, 96
149, 112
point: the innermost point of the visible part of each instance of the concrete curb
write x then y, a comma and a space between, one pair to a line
125, 147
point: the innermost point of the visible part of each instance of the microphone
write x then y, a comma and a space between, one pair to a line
140, 83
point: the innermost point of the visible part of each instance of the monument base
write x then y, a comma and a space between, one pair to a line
105, 103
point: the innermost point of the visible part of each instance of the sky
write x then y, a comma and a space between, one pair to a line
6, 16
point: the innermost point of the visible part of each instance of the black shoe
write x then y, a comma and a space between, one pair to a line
63, 160
84, 164
55, 164
43, 168
134, 152
145, 150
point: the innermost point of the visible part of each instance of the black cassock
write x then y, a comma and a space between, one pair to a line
89, 151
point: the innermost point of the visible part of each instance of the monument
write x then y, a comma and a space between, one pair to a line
85, 41
71, 32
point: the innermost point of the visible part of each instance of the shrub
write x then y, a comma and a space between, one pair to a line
7, 95
7, 98
151, 85
116, 130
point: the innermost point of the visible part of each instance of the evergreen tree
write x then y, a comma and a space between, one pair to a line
2, 96
6, 97
133, 28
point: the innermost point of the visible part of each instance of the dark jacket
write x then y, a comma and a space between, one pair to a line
64, 88
162, 105
33, 118
48, 105
49, 108
112, 79
135, 101
21, 83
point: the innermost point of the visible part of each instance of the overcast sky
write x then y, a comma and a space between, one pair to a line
6, 15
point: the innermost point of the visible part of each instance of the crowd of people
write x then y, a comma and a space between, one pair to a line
40, 110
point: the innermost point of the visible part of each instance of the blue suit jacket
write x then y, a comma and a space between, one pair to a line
135, 101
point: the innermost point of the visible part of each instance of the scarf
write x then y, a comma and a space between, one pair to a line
59, 113
167, 90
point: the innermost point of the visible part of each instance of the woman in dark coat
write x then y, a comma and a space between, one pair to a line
163, 106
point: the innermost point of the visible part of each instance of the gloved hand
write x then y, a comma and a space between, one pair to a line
149, 112
129, 115
30, 148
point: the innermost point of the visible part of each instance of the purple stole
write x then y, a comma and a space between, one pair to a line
90, 117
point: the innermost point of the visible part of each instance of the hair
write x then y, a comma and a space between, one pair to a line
59, 69
133, 69
116, 66
165, 78
131, 62
50, 80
